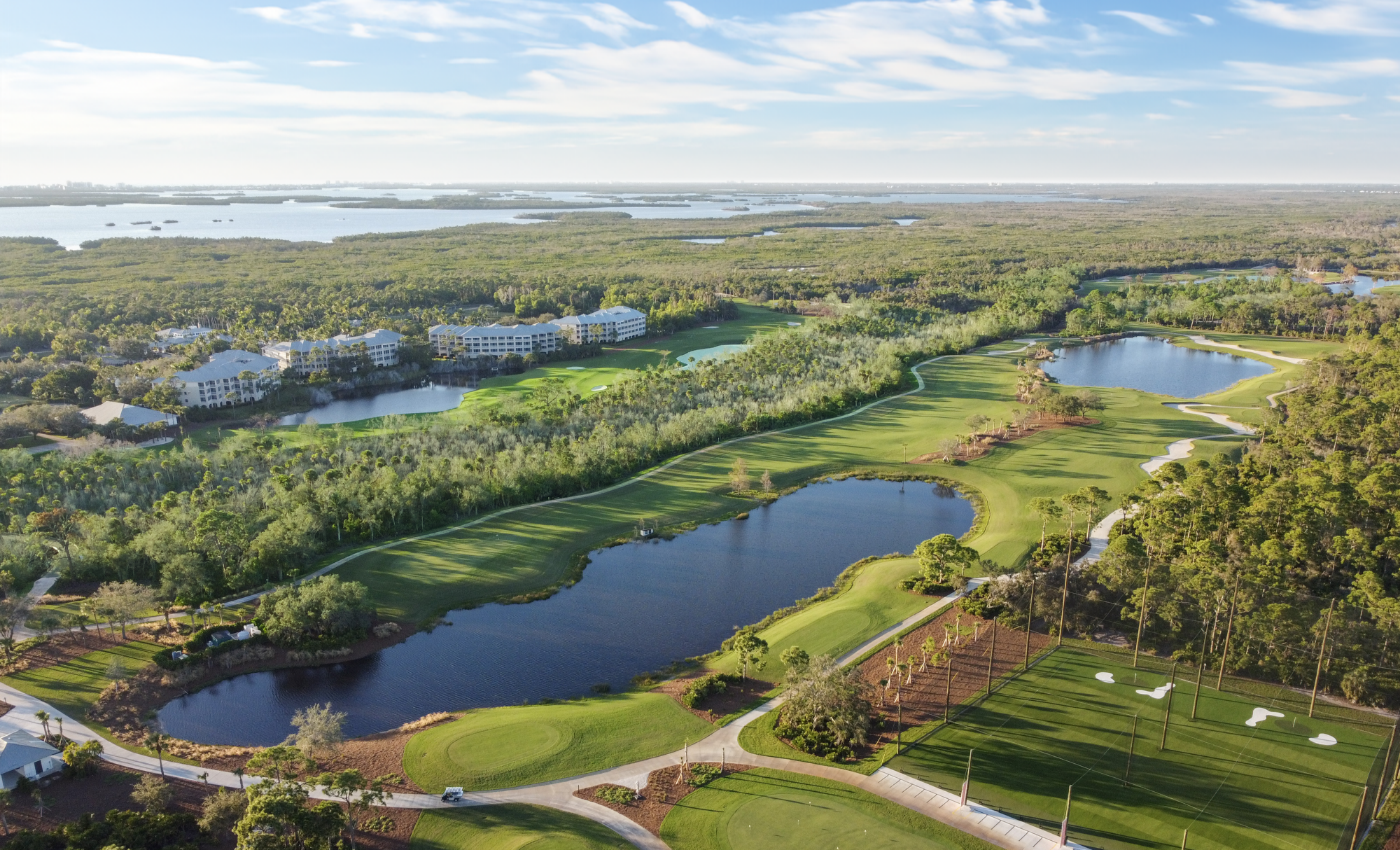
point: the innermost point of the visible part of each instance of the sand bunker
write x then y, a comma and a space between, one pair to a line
575, 368
1157, 693
1107, 678
600, 388
1260, 715
1324, 740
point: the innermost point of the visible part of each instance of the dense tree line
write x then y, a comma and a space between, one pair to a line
201, 523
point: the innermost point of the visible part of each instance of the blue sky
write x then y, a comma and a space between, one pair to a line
546, 90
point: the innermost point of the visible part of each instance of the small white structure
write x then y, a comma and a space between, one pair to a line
22, 754
129, 414
246, 632
229, 378
170, 337
495, 340
304, 356
611, 324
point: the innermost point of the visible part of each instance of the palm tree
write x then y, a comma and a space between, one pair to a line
43, 717
156, 741
5, 801
238, 771
930, 647
39, 803
60, 729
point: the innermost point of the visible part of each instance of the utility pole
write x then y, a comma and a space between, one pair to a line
1064, 597
1229, 629
991, 659
948, 693
1321, 654
1064, 824
1184, 833
1142, 608
1030, 618
1132, 743
1200, 671
967, 780
1360, 816
1167, 718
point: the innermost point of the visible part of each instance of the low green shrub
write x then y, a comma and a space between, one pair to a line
705, 687
702, 774
381, 823
616, 794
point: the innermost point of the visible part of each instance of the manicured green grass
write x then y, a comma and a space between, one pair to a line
617, 361
835, 626
773, 810
510, 827
74, 687
1235, 787
533, 547
8, 400
523, 745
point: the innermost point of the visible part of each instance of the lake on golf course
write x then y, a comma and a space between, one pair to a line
638, 607
1153, 365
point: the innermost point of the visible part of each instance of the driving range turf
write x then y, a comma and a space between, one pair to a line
1234, 786
523, 745
773, 810
510, 827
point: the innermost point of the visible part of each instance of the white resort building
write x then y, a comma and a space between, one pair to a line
304, 356
229, 378
494, 340
170, 337
611, 324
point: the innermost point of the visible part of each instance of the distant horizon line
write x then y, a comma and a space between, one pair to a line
495, 184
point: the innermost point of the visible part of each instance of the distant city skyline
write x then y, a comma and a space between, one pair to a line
1012, 91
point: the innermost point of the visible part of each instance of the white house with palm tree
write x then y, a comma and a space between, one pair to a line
22, 754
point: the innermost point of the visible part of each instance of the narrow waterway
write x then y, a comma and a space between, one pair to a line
639, 606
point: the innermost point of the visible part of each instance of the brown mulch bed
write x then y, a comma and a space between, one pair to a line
5, 708
924, 700
658, 797
735, 697
123, 707
986, 442
109, 788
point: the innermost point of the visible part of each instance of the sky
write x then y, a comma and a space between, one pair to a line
1086, 91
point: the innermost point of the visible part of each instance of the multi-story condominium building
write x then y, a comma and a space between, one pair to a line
611, 324
170, 337
495, 340
229, 378
304, 356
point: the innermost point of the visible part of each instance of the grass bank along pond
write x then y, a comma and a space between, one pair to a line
1151, 364
639, 606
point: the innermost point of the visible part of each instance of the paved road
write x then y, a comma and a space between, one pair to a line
1200, 340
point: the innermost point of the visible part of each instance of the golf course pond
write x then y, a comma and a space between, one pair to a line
1151, 364
638, 607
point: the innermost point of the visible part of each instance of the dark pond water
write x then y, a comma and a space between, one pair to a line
638, 607
429, 399
1153, 365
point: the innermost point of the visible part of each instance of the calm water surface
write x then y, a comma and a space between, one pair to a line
429, 399
638, 607
1153, 365
320, 222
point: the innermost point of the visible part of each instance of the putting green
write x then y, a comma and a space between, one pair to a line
510, 827
522, 745
773, 810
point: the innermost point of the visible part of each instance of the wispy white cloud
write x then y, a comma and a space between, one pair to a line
690, 14
1205, 19
426, 20
1161, 26
1286, 98
329, 63
1316, 73
1184, 104
471, 60
1333, 17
